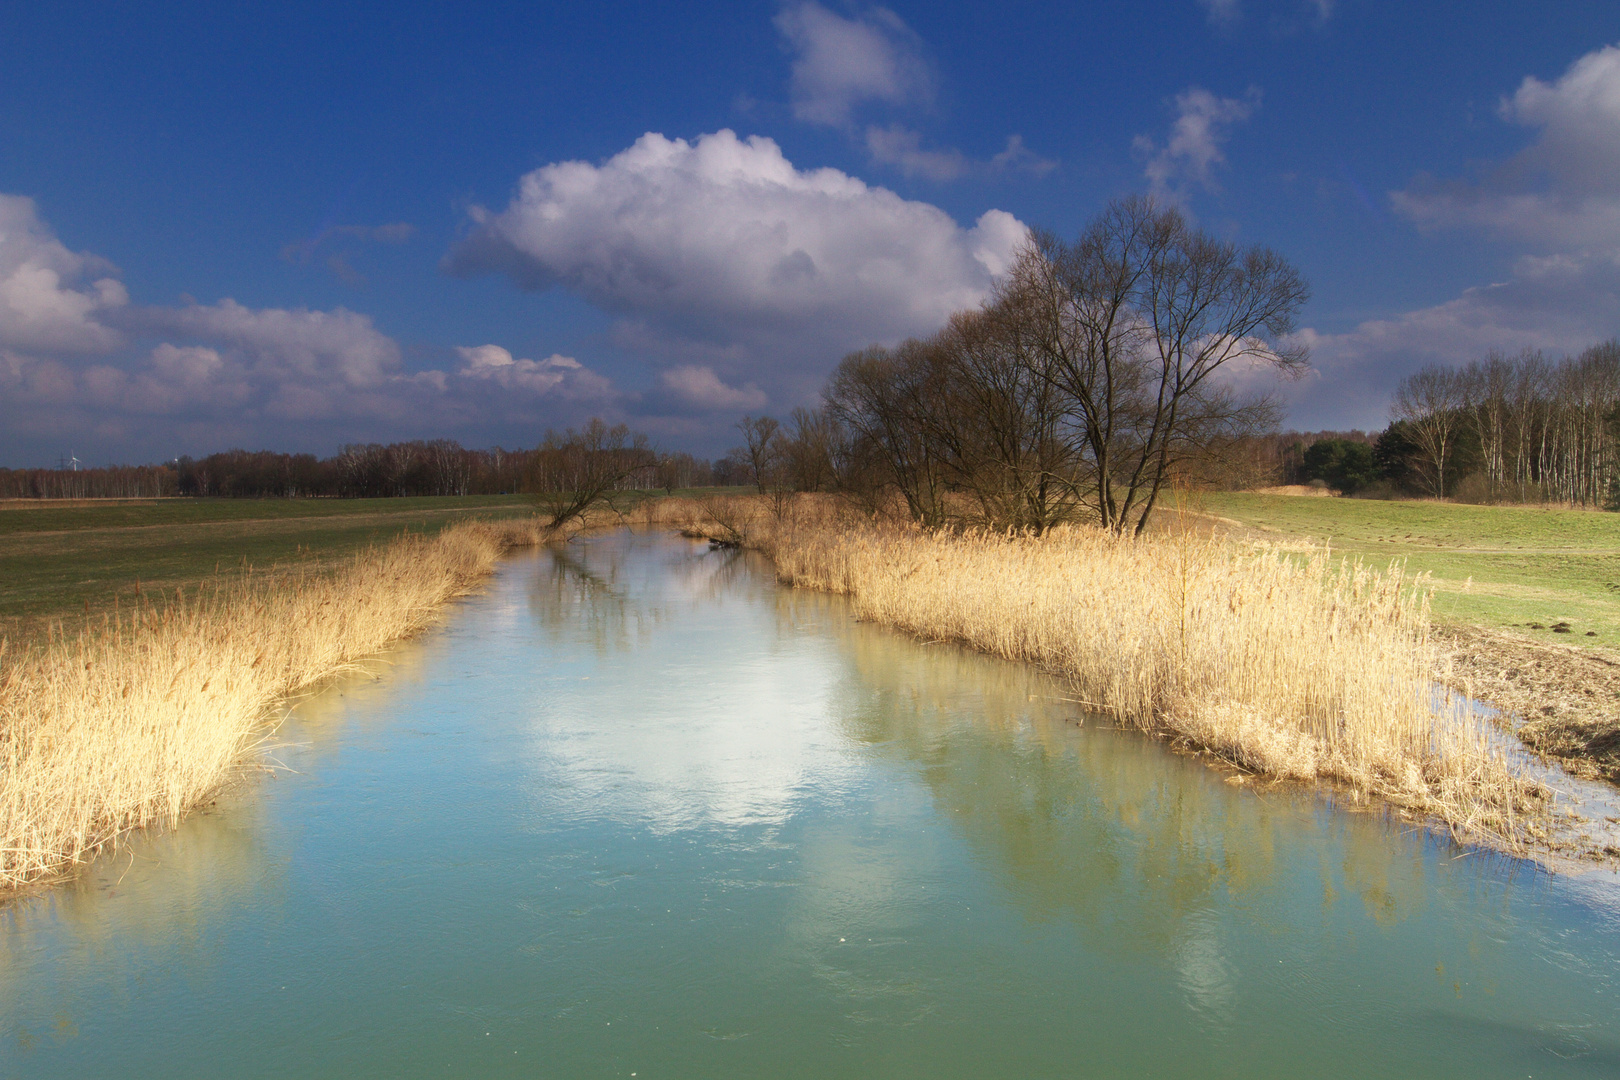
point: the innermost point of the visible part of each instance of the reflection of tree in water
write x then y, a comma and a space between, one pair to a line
616, 591
580, 592
1102, 826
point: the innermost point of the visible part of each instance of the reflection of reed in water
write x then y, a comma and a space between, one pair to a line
156, 901
1101, 826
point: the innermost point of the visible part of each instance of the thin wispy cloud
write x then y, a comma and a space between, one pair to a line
846, 69
1194, 147
340, 261
1557, 202
840, 63
1228, 13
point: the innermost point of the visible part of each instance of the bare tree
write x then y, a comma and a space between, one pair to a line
885, 398
807, 450
1430, 401
1137, 321
570, 473
763, 445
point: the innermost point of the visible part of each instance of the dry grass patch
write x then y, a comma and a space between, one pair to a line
1293, 668
135, 721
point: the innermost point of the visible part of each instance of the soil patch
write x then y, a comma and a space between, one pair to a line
1566, 700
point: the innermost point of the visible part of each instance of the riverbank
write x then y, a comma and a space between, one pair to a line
1297, 669
134, 720
1524, 602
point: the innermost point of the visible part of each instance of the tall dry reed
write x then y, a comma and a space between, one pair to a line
1299, 668
137, 721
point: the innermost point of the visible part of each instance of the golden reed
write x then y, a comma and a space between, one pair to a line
1305, 668
137, 721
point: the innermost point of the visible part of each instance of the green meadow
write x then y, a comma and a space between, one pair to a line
65, 561
1496, 566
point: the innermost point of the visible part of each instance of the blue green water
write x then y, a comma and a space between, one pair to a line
638, 811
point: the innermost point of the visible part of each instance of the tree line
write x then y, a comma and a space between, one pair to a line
376, 470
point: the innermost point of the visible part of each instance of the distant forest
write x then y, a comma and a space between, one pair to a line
370, 471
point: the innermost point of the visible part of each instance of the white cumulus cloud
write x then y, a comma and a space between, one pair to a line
723, 242
557, 375
51, 298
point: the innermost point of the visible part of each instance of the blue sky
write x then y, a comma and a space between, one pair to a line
296, 226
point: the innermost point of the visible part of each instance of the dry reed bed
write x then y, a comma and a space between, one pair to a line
137, 721
1301, 669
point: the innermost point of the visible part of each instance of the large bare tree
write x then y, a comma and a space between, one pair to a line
1431, 402
1138, 322
570, 473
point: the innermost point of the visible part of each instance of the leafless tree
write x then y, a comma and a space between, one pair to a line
570, 473
885, 398
1138, 321
1430, 402
763, 445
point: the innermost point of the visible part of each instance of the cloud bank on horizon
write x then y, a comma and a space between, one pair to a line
76, 356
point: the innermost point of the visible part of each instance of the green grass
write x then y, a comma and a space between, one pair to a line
1527, 564
63, 562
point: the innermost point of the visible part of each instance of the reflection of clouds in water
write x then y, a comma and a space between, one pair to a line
856, 918
724, 720
1203, 971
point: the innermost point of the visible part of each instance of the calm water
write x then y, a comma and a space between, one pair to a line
639, 812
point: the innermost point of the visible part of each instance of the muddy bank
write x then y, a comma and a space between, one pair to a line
1562, 701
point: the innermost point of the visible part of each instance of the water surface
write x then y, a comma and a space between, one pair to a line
638, 811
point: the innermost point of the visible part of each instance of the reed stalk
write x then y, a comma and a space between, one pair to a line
134, 722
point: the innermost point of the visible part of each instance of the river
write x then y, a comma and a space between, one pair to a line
636, 810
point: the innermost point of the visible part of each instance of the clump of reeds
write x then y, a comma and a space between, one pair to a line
1300, 668
135, 722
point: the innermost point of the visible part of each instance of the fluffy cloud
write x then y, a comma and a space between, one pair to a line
51, 299
840, 62
79, 363
723, 243
1193, 148
700, 387
559, 376
1563, 191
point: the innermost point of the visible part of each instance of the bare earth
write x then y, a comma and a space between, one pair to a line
1567, 698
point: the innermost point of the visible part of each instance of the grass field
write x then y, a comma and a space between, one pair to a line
1527, 565
63, 561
